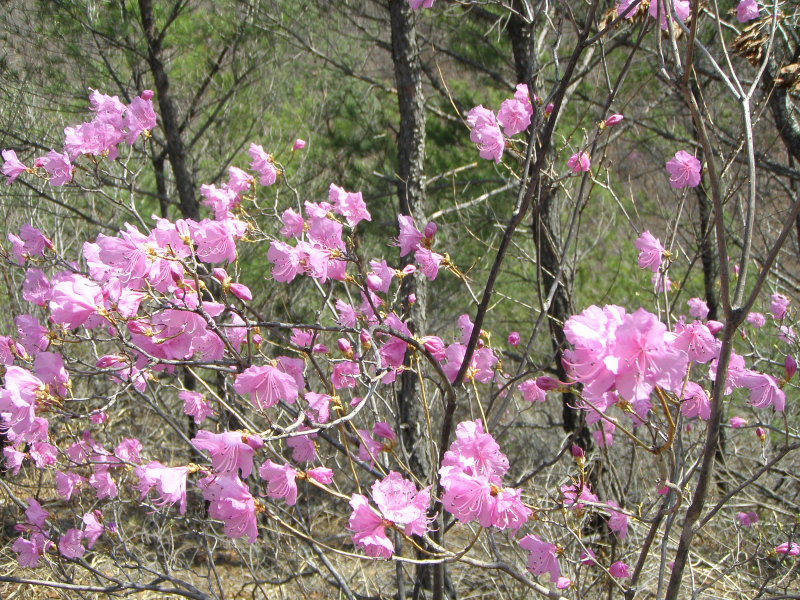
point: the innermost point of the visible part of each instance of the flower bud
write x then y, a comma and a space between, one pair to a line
430, 230
790, 366
513, 338
364, 338
548, 384
299, 144
761, 434
146, 94
577, 452
549, 108
344, 346
412, 298
613, 120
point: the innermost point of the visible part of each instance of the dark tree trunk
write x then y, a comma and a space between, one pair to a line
411, 196
545, 217
170, 123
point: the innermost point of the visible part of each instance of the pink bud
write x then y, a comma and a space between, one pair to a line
736, 270
513, 338
613, 120
548, 109
299, 144
254, 441
577, 451
714, 327
344, 345
790, 366
761, 434
409, 269
548, 384
320, 349
364, 337
737, 422
146, 94
430, 230
412, 298
99, 417
241, 291
220, 274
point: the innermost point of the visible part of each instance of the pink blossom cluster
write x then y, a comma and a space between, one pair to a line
400, 506
619, 356
472, 477
514, 117
113, 123
683, 9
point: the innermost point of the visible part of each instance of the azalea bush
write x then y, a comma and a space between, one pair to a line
147, 400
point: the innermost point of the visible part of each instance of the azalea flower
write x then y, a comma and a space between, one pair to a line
684, 169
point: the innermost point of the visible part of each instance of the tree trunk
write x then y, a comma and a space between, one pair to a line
170, 123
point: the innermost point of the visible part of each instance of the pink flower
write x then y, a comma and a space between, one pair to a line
303, 448
514, 116
12, 167
368, 529
75, 298
140, 116
428, 261
266, 385
579, 161
542, 557
68, 483
513, 338
195, 405
532, 392
93, 529
756, 319
59, 168
320, 474
650, 251
401, 503
410, 237
262, 163
70, 544
345, 374
486, 133
233, 504
102, 482
230, 451
788, 549
170, 482
746, 10
697, 308
35, 514
29, 551
619, 569
617, 521
350, 205
286, 260
684, 169
298, 144
36, 287
320, 404
778, 306
280, 481
695, 402
682, 10
764, 390
746, 519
